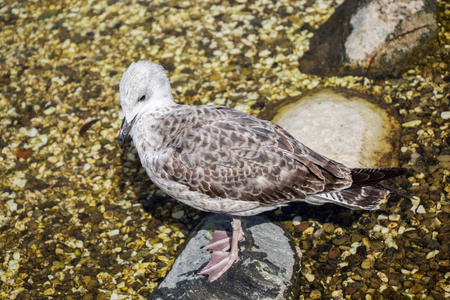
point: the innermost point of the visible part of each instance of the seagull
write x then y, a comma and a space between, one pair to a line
221, 160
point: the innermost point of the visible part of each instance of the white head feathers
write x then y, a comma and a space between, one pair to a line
144, 85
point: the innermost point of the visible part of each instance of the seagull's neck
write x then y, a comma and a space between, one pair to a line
160, 103
158, 107
162, 97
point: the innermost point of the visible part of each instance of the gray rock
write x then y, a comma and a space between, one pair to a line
390, 34
266, 268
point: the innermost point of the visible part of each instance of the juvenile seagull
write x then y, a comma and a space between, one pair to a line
221, 160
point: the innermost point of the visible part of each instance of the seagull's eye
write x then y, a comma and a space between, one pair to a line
141, 98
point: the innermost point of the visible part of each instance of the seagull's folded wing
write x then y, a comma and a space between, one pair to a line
224, 153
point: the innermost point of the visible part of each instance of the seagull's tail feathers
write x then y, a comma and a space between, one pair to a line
368, 176
357, 197
365, 192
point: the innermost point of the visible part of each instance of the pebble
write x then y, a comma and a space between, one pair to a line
114, 296
49, 110
315, 294
334, 253
296, 221
12, 205
337, 294
432, 254
113, 232
302, 227
96, 147
58, 264
446, 208
443, 158
328, 227
445, 115
421, 209
318, 232
377, 228
310, 277
415, 289
79, 244
53, 159
33, 132
356, 237
445, 287
13, 266
366, 243
20, 225
264, 53
131, 156
382, 217
44, 139
394, 217
309, 230
382, 276
411, 124
341, 240
367, 264
178, 214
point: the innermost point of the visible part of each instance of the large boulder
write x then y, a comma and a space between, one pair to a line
385, 35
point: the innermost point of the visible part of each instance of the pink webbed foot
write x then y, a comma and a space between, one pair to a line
221, 260
221, 240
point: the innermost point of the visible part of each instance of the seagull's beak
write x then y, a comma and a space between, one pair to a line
125, 130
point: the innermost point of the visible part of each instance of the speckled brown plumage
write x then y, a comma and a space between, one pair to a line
224, 153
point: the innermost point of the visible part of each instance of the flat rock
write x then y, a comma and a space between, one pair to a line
389, 34
266, 268
343, 126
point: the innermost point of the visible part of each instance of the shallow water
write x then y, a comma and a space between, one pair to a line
78, 216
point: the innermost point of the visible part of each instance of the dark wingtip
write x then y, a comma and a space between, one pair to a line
402, 171
374, 175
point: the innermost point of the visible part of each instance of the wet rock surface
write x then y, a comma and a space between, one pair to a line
267, 267
343, 126
382, 35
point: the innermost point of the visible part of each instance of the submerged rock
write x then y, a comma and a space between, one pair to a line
385, 35
266, 268
344, 127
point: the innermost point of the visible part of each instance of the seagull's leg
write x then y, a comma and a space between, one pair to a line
221, 261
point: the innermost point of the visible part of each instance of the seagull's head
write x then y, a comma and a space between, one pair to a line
144, 86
